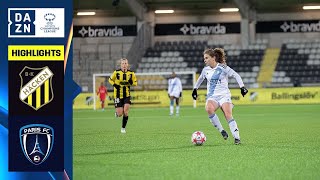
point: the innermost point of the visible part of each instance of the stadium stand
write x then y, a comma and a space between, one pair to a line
95, 58
298, 64
187, 56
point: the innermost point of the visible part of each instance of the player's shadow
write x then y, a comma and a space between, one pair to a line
93, 133
137, 151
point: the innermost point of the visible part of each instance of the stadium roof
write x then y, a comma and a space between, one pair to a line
195, 7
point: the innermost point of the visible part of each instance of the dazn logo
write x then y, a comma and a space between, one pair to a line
21, 22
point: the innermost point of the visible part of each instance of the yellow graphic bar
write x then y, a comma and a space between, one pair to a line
46, 91
36, 52
30, 99
38, 97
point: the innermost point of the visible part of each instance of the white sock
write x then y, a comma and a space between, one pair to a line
177, 109
214, 119
234, 128
171, 109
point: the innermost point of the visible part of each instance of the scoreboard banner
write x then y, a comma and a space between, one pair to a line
36, 89
301, 95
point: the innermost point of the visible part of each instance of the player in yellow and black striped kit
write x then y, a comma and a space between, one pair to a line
122, 79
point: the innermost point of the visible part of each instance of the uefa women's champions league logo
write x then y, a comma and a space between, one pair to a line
49, 26
36, 141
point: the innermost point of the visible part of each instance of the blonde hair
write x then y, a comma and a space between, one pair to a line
218, 53
123, 59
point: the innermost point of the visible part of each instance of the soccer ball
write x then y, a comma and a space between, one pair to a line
198, 138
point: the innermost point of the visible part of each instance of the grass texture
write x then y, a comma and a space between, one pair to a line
278, 142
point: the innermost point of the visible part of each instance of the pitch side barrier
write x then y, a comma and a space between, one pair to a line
301, 95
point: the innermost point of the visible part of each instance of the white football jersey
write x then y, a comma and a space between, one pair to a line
217, 79
174, 87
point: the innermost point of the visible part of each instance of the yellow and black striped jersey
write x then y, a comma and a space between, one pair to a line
123, 80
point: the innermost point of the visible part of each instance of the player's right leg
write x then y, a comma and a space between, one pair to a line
118, 104
126, 107
177, 106
102, 104
171, 105
119, 111
211, 107
227, 110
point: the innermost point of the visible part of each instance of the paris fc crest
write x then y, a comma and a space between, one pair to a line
36, 142
36, 86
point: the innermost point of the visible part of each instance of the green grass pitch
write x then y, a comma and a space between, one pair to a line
278, 142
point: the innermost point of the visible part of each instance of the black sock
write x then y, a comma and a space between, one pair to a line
124, 121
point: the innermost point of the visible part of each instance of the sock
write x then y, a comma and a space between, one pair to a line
171, 106
234, 128
177, 109
102, 105
124, 121
214, 119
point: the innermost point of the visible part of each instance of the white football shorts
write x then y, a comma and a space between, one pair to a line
220, 99
175, 94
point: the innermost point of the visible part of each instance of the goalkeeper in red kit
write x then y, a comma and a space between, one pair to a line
102, 92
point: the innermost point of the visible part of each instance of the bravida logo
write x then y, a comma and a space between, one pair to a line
300, 27
36, 142
101, 32
203, 30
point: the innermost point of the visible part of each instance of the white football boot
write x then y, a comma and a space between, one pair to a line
123, 130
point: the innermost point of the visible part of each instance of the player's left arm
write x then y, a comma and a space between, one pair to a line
234, 74
180, 87
169, 87
197, 85
133, 80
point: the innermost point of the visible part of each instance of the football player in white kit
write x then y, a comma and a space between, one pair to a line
174, 92
218, 94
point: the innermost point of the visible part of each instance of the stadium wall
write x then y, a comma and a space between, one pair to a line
288, 16
93, 20
170, 19
275, 39
112, 48
303, 95
100, 21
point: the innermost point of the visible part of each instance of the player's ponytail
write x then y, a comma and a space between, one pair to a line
218, 53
